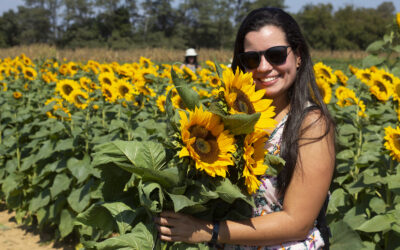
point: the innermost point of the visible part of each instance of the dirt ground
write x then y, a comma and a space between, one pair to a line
19, 237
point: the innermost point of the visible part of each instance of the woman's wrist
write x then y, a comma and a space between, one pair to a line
215, 232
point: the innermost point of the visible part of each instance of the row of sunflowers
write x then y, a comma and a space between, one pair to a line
65, 126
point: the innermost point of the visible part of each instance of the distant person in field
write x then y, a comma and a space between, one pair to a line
191, 60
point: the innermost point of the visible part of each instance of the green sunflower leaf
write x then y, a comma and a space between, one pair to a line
239, 124
190, 98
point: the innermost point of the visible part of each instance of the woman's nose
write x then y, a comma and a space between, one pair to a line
264, 65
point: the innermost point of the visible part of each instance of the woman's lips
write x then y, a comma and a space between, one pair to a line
267, 81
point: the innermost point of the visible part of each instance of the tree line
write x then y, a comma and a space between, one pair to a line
178, 24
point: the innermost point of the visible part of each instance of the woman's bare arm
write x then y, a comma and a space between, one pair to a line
304, 197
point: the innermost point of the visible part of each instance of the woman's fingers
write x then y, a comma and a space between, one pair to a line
180, 227
165, 221
164, 230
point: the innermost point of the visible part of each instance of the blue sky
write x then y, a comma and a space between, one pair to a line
293, 5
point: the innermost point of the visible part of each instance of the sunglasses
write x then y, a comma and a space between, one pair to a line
275, 56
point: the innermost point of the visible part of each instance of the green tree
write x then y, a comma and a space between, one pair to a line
9, 29
318, 25
52, 6
243, 7
360, 27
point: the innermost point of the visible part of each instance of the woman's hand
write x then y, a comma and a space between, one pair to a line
181, 227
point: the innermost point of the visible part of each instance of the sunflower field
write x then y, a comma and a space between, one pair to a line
55, 117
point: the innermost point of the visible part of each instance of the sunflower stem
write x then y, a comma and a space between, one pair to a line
103, 117
388, 193
86, 130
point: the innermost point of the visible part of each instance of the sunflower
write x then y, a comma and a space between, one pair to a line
124, 89
392, 137
324, 71
143, 74
341, 76
145, 62
57, 105
202, 92
17, 95
109, 92
19, 66
126, 70
27, 61
72, 68
386, 75
205, 75
398, 19
3, 86
79, 98
242, 98
145, 90
215, 81
364, 75
29, 73
65, 87
325, 89
211, 65
396, 89
177, 102
49, 77
347, 97
254, 153
380, 88
63, 69
106, 78
353, 69
86, 83
92, 66
106, 68
188, 74
161, 103
206, 142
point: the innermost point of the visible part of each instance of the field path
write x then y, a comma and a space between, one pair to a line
19, 237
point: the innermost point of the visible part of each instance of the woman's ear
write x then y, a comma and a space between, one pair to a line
298, 59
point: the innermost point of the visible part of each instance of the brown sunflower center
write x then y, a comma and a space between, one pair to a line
29, 74
214, 81
206, 145
381, 86
67, 89
202, 146
396, 141
107, 80
108, 93
387, 78
123, 90
366, 76
242, 103
325, 73
397, 89
79, 98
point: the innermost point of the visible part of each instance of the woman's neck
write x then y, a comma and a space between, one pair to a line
282, 107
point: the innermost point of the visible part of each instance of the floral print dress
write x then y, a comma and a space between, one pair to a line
267, 201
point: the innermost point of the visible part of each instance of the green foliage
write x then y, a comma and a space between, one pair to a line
362, 210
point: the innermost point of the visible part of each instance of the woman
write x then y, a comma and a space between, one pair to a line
269, 44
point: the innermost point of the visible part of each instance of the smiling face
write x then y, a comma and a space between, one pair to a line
275, 79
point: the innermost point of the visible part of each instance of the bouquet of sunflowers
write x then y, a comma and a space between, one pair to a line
209, 165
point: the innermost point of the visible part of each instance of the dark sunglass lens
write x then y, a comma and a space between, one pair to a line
276, 55
250, 60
